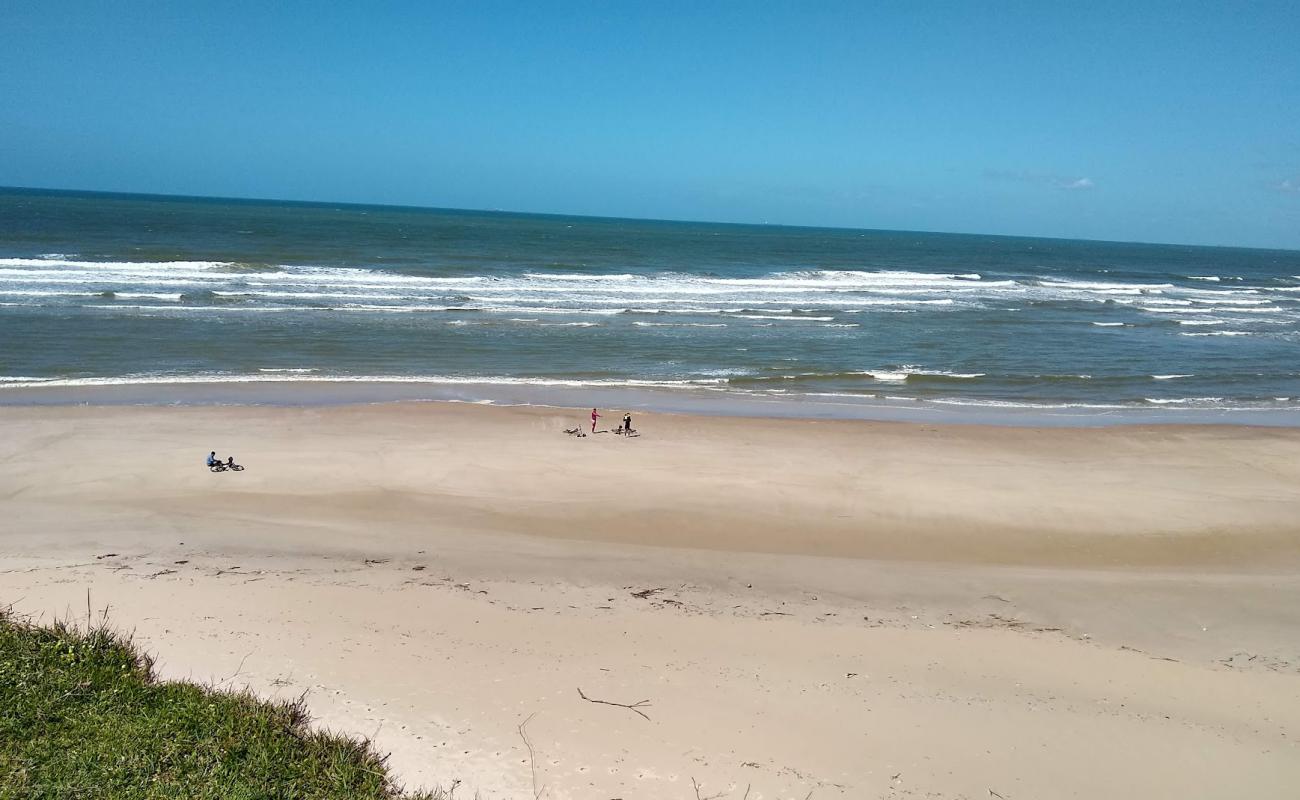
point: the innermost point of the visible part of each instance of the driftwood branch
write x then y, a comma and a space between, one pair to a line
637, 706
238, 669
710, 797
532, 756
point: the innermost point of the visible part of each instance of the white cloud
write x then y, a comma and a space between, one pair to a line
1070, 182
1289, 185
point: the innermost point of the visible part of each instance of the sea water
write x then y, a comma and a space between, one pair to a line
157, 293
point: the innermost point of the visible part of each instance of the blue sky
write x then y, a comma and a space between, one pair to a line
1173, 122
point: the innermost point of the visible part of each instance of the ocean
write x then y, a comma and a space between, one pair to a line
169, 298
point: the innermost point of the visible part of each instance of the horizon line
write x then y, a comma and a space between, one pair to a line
669, 220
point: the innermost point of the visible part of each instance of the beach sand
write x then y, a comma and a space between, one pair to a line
847, 609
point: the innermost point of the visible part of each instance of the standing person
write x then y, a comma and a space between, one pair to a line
594, 417
627, 423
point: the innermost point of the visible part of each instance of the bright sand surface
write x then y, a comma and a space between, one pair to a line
847, 609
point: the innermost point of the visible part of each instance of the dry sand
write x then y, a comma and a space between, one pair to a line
850, 609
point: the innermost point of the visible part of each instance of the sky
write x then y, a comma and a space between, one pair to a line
1159, 122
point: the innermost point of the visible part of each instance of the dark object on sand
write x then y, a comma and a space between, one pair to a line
575, 432
228, 465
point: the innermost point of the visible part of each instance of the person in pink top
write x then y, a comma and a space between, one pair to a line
594, 417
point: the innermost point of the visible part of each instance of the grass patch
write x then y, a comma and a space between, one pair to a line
83, 716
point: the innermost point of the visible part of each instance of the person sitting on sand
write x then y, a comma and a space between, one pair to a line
230, 463
212, 459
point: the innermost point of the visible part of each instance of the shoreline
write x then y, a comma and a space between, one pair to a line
308, 392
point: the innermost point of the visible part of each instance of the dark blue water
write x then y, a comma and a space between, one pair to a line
116, 289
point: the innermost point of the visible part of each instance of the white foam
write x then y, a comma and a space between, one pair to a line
853, 395
278, 295
585, 278
962, 401
1110, 324
173, 296
95, 283
360, 307
907, 370
822, 294
945, 301
280, 377
182, 309
1219, 333
42, 293
1230, 301
782, 318
1169, 377
1240, 310
1094, 286
137, 266
947, 374
680, 324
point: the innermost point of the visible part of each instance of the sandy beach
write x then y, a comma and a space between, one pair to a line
836, 608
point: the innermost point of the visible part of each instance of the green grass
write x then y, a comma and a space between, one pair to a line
82, 716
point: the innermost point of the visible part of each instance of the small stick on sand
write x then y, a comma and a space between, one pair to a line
532, 757
630, 706
712, 796
238, 669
